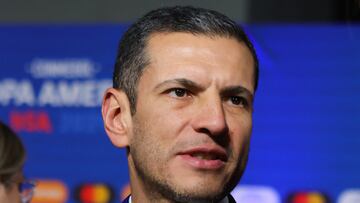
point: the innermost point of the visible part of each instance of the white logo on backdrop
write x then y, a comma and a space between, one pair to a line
56, 83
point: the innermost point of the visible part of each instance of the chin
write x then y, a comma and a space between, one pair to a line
197, 192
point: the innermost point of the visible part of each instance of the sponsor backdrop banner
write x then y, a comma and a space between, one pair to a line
306, 140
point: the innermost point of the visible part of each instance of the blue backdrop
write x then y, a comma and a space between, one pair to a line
305, 143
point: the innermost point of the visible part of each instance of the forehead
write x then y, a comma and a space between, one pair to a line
170, 54
168, 39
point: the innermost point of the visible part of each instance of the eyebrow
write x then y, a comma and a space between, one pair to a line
183, 82
231, 90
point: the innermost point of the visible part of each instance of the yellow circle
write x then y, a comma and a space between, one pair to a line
101, 193
315, 198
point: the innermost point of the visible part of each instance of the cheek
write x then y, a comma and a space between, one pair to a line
164, 120
240, 129
2, 193
9, 195
15, 195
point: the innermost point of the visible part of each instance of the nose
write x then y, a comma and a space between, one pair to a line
210, 118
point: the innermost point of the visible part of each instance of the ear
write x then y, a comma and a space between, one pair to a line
117, 117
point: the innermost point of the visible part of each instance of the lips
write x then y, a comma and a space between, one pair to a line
205, 157
207, 154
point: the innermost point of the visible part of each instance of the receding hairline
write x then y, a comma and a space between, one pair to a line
211, 35
147, 58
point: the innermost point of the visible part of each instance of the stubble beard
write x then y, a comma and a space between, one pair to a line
158, 186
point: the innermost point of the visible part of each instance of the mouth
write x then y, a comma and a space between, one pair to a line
209, 155
205, 157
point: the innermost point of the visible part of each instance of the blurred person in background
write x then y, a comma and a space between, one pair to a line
13, 186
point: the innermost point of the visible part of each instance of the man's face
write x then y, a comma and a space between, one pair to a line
193, 119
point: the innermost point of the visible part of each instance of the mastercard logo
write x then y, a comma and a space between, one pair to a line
53, 191
308, 197
94, 193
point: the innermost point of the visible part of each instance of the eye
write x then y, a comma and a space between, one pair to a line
178, 92
238, 101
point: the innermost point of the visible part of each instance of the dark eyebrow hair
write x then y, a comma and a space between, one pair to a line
233, 90
184, 82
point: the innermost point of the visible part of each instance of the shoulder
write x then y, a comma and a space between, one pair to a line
231, 199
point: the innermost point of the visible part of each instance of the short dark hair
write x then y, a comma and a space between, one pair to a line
132, 58
12, 154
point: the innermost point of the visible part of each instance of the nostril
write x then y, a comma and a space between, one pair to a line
205, 131
222, 138
214, 132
